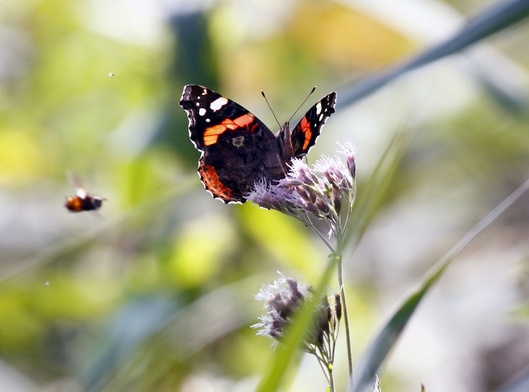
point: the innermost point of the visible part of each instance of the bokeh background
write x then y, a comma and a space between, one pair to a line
155, 292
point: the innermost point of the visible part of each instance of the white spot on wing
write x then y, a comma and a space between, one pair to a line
218, 103
201, 111
318, 108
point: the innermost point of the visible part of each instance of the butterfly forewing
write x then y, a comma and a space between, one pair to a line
304, 135
211, 115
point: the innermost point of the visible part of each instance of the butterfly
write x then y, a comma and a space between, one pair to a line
238, 149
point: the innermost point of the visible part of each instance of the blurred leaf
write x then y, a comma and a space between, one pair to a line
384, 341
179, 331
23, 326
196, 259
372, 196
519, 384
130, 327
282, 237
195, 61
493, 19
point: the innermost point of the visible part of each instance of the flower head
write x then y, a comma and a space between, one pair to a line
283, 299
320, 191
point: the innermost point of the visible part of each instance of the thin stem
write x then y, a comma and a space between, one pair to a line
343, 298
326, 366
331, 377
313, 227
343, 301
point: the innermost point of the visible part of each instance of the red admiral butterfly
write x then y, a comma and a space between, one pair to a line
82, 201
237, 148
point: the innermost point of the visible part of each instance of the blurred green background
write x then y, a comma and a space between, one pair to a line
155, 293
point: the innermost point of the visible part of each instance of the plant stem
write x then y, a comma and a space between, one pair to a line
343, 301
331, 379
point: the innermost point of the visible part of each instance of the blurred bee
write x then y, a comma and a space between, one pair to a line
82, 201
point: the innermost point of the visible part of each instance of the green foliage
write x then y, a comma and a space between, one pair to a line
155, 293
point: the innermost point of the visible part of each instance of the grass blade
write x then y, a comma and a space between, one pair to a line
489, 21
388, 336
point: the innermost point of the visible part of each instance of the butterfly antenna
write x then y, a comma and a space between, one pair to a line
270, 107
302, 103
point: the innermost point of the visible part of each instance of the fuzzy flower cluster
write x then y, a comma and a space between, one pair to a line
320, 191
283, 299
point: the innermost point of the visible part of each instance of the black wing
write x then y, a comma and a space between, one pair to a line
304, 135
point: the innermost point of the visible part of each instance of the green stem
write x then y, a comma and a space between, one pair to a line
331, 377
343, 301
309, 223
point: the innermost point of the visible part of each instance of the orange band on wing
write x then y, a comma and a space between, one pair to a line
211, 135
212, 182
305, 126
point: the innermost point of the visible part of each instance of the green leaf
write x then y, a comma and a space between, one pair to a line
385, 340
491, 20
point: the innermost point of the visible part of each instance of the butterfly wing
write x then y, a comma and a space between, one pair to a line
304, 135
213, 117
237, 148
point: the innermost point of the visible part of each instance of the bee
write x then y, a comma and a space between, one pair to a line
82, 201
